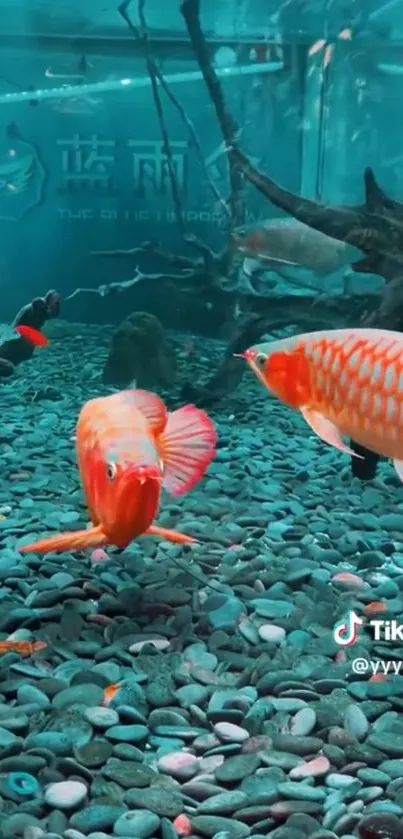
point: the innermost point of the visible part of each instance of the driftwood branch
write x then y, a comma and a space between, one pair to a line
157, 250
123, 10
210, 269
110, 289
190, 10
376, 228
208, 265
389, 312
142, 36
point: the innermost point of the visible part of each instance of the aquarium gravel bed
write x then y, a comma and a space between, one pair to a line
238, 714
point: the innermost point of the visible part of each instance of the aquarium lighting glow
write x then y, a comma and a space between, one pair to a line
392, 69
66, 91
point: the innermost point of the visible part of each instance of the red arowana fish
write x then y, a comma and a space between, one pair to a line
33, 336
129, 447
345, 382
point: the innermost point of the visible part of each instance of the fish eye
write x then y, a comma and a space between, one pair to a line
260, 360
111, 470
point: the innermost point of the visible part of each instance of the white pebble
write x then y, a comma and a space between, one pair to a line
158, 643
65, 794
355, 722
178, 764
303, 722
210, 763
230, 733
33, 832
336, 779
272, 632
358, 805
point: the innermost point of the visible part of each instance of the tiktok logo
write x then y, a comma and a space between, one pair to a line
346, 632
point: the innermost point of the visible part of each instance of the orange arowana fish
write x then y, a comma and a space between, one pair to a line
344, 382
129, 447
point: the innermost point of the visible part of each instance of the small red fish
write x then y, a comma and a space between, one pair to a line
183, 825
24, 648
317, 47
33, 336
345, 382
109, 694
129, 448
378, 678
375, 608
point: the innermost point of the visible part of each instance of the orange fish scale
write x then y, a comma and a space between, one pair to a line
359, 377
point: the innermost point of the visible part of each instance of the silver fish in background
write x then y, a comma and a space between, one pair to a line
288, 243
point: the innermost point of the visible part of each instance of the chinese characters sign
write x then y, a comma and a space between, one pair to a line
89, 165
132, 177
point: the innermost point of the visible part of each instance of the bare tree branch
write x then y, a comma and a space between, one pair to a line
116, 288
190, 9
178, 105
156, 249
221, 270
208, 270
142, 36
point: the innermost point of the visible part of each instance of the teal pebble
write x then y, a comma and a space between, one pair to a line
23, 784
373, 776
301, 791
386, 589
299, 638
226, 615
393, 768
384, 807
165, 745
127, 733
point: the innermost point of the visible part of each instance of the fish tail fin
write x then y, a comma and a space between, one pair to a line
187, 446
170, 535
78, 540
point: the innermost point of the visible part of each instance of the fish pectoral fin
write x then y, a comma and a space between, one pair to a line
152, 408
77, 540
326, 430
274, 261
398, 464
186, 447
170, 535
